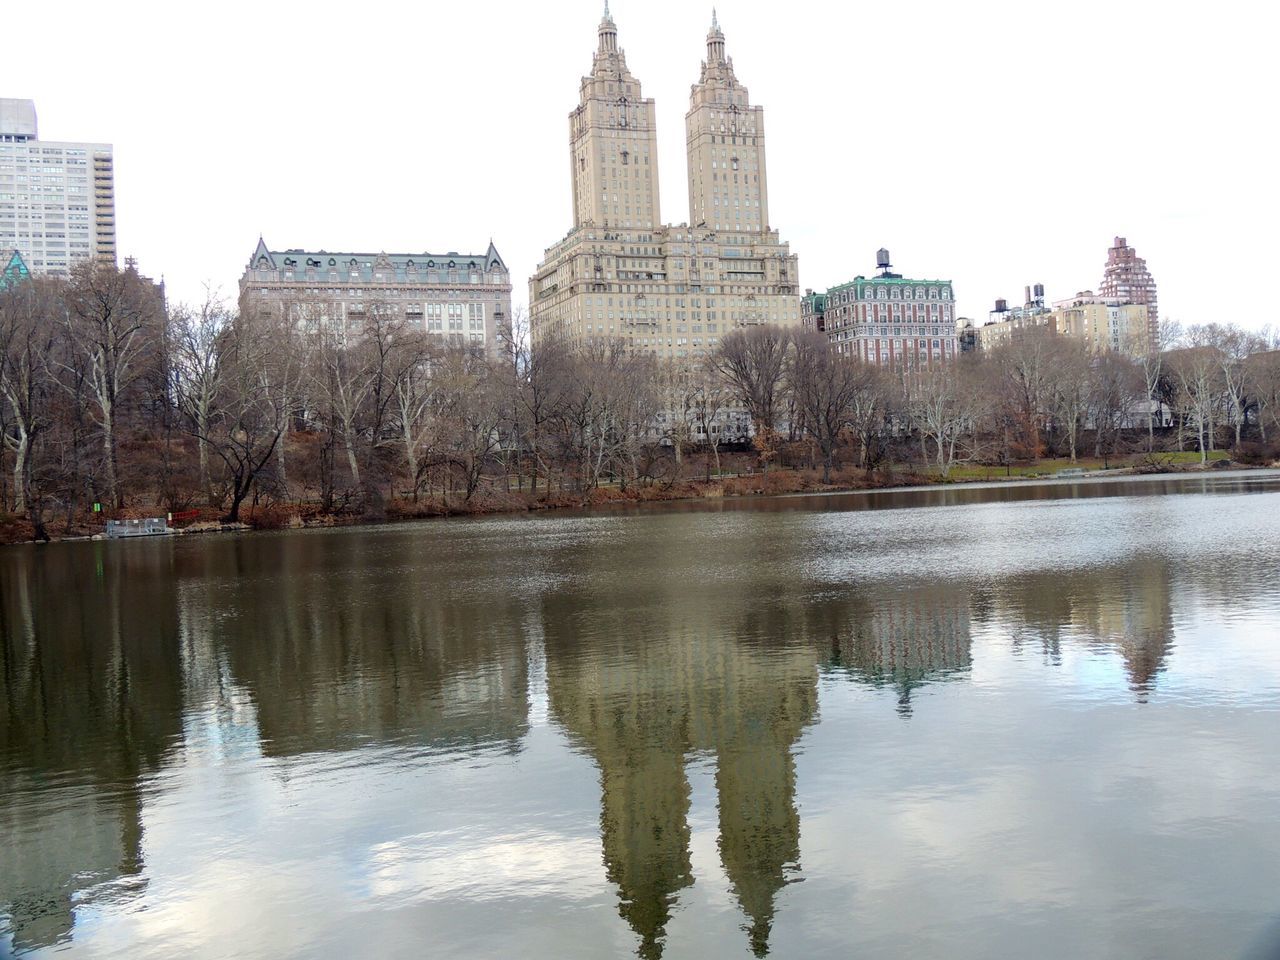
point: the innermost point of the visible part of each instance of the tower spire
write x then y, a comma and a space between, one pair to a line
608, 32
715, 40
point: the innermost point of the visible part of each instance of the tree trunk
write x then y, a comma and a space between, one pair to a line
239, 492
280, 466
111, 464
351, 459
20, 479
206, 482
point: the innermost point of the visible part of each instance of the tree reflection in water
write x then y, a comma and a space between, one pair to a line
339, 643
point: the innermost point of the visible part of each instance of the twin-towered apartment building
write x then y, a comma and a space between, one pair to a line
619, 274
622, 274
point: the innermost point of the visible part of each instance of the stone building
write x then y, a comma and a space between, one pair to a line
1126, 279
463, 298
620, 273
886, 319
57, 199
1102, 323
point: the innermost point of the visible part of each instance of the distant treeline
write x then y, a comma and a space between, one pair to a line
107, 397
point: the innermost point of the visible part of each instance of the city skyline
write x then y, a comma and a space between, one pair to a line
1043, 164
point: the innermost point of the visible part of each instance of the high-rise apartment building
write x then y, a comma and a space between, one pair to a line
1126, 279
461, 298
57, 199
886, 319
622, 274
1101, 323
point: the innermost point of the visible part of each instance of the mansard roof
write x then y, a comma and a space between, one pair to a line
399, 262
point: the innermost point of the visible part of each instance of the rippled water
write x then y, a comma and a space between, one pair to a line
1029, 721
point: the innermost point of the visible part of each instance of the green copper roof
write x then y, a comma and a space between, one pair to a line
888, 281
15, 270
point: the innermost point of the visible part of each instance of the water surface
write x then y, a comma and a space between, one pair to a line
1010, 721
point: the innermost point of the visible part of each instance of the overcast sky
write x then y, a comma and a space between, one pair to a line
995, 144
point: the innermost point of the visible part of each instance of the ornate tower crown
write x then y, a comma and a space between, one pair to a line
715, 40
608, 32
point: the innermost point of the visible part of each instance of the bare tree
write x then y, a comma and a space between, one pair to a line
469, 414
544, 399
1023, 367
29, 328
1196, 373
1151, 352
243, 424
709, 403
753, 363
679, 387
1116, 385
1262, 372
1067, 384
828, 388
944, 404
1231, 347
197, 338
112, 323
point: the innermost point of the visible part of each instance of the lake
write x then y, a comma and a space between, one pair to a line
976, 722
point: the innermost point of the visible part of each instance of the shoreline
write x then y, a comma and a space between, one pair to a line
785, 484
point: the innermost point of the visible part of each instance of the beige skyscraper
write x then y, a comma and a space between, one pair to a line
622, 274
615, 143
728, 185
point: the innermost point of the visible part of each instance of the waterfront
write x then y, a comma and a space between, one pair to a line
1019, 720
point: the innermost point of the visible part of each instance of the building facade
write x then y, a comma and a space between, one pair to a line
620, 273
462, 298
1102, 323
887, 319
1126, 279
57, 199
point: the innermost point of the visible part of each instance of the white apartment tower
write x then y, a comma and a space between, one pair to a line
57, 199
620, 273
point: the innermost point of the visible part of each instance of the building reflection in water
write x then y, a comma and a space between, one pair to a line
1127, 610
308, 643
672, 681
901, 636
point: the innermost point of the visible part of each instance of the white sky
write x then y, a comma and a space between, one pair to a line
991, 143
